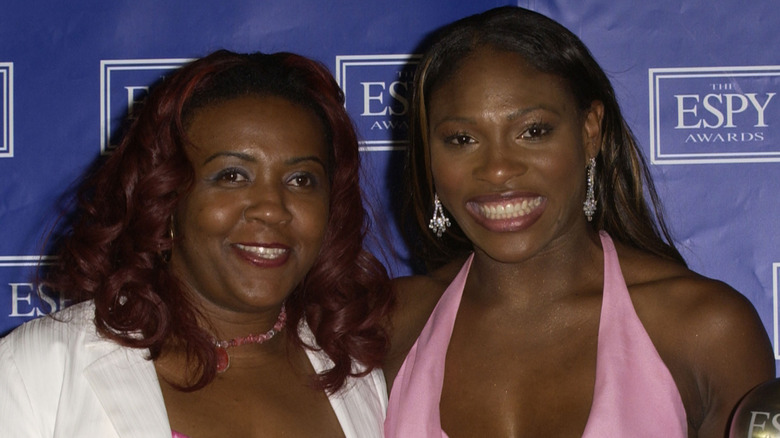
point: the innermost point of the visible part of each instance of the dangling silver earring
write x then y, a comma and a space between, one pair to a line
439, 223
589, 206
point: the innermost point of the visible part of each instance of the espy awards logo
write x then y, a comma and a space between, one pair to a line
6, 109
22, 298
714, 115
124, 83
377, 89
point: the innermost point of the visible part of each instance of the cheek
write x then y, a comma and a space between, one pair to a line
312, 218
565, 177
445, 173
204, 217
216, 220
557, 167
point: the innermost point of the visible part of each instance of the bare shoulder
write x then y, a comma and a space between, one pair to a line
680, 299
708, 334
416, 297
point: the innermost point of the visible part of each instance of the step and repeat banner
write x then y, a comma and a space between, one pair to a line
698, 81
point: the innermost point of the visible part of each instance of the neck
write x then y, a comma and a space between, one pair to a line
222, 346
561, 269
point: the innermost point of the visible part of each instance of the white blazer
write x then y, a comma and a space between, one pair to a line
58, 378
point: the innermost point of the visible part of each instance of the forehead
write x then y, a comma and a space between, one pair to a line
246, 122
493, 77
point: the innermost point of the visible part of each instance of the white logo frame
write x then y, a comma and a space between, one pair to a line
7, 109
344, 62
107, 67
656, 75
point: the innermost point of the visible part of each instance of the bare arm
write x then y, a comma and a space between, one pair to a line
731, 353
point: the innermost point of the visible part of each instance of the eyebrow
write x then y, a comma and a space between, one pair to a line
250, 158
239, 155
510, 117
523, 111
314, 158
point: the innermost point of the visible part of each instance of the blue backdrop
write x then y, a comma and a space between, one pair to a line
697, 80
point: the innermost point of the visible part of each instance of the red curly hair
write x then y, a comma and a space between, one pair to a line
116, 253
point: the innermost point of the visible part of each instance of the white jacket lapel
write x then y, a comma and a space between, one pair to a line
126, 385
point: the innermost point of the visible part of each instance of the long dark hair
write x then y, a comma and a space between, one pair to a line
117, 250
623, 186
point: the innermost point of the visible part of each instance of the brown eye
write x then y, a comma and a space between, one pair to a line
535, 132
302, 179
459, 139
231, 175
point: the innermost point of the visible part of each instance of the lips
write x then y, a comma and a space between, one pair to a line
506, 212
509, 210
263, 256
264, 252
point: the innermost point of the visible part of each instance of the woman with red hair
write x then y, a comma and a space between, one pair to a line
217, 258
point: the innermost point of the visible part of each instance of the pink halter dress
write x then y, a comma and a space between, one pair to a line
634, 395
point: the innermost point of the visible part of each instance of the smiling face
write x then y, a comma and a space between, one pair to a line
254, 222
508, 151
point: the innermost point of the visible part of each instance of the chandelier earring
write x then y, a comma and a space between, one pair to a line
589, 206
439, 222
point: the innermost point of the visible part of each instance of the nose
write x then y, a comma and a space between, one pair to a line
498, 164
267, 204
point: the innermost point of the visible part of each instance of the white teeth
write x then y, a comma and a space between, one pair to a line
509, 210
262, 251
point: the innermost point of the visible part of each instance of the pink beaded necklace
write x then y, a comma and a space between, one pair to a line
223, 358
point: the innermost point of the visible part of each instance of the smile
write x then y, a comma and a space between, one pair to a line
509, 210
263, 251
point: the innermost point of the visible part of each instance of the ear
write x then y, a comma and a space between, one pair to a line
591, 129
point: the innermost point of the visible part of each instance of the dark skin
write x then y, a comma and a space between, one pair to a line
543, 352
251, 228
265, 392
522, 358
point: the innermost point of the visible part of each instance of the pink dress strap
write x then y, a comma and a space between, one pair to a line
635, 394
413, 408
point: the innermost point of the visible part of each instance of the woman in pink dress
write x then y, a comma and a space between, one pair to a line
557, 304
